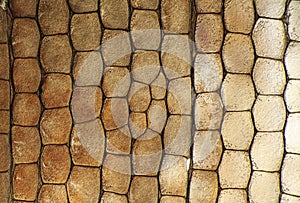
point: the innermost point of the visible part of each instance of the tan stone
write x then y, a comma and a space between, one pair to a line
4, 187
145, 4
83, 6
4, 62
203, 186
4, 153
238, 53
289, 199
266, 44
157, 115
53, 16
139, 97
143, 189
208, 6
84, 185
175, 16
88, 143
108, 197
25, 37
55, 164
26, 75
53, 193
145, 30
233, 195
292, 59
5, 121
26, 144
85, 31
292, 96
116, 174
237, 130
137, 124
172, 199
26, 109
118, 141
159, 87
237, 92
239, 15
235, 169
56, 54
293, 20
208, 111
56, 90
265, 118
4, 95
290, 179
24, 8
270, 8
291, 134
209, 33
207, 150
25, 182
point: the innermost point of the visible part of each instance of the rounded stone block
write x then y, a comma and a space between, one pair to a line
292, 95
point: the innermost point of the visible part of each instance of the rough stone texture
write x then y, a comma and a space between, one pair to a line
208, 111
116, 174
292, 59
143, 189
84, 185
292, 95
24, 8
26, 109
237, 130
157, 115
200, 180
237, 92
233, 195
239, 15
208, 6
145, 4
26, 144
267, 151
207, 150
269, 76
137, 124
264, 187
26, 75
4, 187
172, 199
114, 14
291, 134
293, 24
235, 169
175, 15
265, 118
4, 62
4, 153
55, 164
290, 179
25, 37
25, 182
238, 53
56, 54
56, 90
159, 87
85, 31
139, 97
53, 16
5, 121
118, 141
4, 95
108, 197
266, 44
4, 25
209, 33
208, 72
270, 8
53, 193
289, 199
79, 6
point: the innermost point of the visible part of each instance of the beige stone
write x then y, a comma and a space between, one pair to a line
237, 130
137, 124
289, 199
207, 150
159, 87
118, 141
5, 121
53, 16
25, 37
56, 54
208, 6
24, 8
139, 97
4, 153
239, 15
4, 95
203, 186
4, 62
157, 115
4, 187
53, 193
209, 33
291, 134
234, 170
266, 44
26, 144
237, 92
293, 18
292, 59
83, 6
172, 199
265, 118
208, 111
232, 195
292, 95
108, 197
143, 189
270, 8
290, 179
26, 75
145, 4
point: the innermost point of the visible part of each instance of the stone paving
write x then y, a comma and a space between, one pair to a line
166, 101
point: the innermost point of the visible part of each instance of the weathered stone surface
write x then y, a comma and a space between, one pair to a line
237, 92
56, 54
159, 87
26, 109
266, 44
4, 95
112, 197
289, 199
85, 31
203, 186
25, 182
292, 96
239, 15
137, 124
270, 8
4, 153
26, 75
53, 193
292, 59
207, 150
232, 195
5, 121
235, 169
118, 141
290, 179
24, 8
265, 118
208, 6
4, 62
4, 187
56, 90
84, 185
26, 144
209, 33
79, 6
139, 97
143, 189
172, 199
291, 134
157, 115
293, 24
145, 4
25, 37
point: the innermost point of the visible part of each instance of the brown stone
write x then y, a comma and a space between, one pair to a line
26, 109
5, 121
118, 141
85, 31
292, 95
112, 197
55, 164
4, 187
172, 199
53, 16
56, 90
4, 95
145, 4
53, 193
137, 124
84, 185
4, 24
233, 195
209, 6
25, 182
270, 8
4, 153
157, 115
26, 144
143, 189
159, 87
293, 17
24, 8
139, 97
79, 6
4, 62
